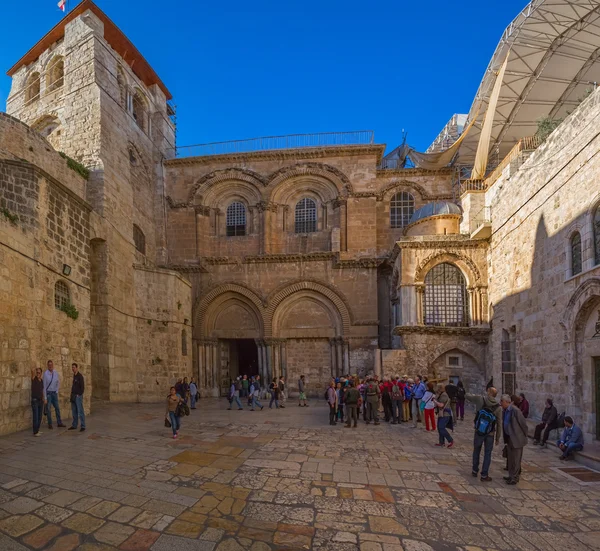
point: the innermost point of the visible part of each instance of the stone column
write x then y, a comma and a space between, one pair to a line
260, 364
339, 354
472, 306
346, 346
420, 289
276, 358
269, 357
284, 358
343, 225
484, 306
201, 366
333, 357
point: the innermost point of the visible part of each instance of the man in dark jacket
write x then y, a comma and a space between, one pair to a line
549, 418
490, 403
571, 440
452, 392
351, 397
77, 389
515, 431
372, 393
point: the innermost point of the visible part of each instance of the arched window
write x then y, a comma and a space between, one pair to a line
576, 263
139, 239
122, 84
183, 343
402, 208
32, 88
596, 232
306, 216
55, 74
140, 110
445, 298
61, 295
235, 219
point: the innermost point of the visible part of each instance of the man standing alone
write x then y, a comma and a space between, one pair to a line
488, 427
418, 392
301, 392
37, 399
515, 431
51, 386
77, 389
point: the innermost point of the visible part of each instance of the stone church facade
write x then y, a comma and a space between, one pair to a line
317, 260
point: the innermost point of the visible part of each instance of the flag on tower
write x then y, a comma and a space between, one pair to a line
62, 4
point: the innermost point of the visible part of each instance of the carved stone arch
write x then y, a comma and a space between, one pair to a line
203, 303
390, 189
587, 290
334, 175
278, 296
471, 349
223, 175
465, 264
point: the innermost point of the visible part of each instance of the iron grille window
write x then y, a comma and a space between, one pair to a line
402, 208
61, 295
597, 235
445, 297
509, 383
509, 352
306, 216
236, 219
139, 239
576, 264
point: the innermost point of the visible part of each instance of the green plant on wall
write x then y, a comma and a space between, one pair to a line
149, 322
70, 310
76, 166
178, 305
12, 218
546, 125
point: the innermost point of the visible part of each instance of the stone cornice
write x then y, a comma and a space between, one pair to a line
366, 322
381, 173
186, 268
445, 242
283, 155
478, 332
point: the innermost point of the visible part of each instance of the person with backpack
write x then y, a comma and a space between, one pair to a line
372, 393
397, 398
386, 399
428, 407
488, 429
418, 392
254, 395
351, 399
460, 400
452, 391
549, 422
274, 390
234, 395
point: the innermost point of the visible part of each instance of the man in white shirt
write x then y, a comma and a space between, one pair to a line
51, 386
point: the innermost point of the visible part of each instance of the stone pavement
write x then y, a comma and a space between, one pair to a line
270, 480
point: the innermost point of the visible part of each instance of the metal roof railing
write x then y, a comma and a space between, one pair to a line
291, 141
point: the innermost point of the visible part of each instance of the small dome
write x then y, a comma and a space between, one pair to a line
434, 209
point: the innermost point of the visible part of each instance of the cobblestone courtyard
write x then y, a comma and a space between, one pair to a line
277, 480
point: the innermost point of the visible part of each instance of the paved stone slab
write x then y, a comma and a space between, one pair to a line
20, 506
169, 543
8, 544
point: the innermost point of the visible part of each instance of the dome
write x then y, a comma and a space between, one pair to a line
435, 209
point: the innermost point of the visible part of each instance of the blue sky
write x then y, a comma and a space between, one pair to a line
241, 69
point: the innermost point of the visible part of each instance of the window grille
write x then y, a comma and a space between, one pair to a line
445, 297
509, 383
576, 262
402, 207
306, 216
139, 239
596, 230
61, 295
235, 219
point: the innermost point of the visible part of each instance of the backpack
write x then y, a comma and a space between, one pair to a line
485, 421
371, 389
461, 393
396, 394
326, 396
408, 393
560, 420
238, 385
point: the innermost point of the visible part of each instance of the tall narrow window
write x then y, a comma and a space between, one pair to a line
576, 263
306, 216
61, 295
55, 74
140, 110
235, 219
32, 88
445, 297
183, 343
122, 84
139, 239
402, 208
509, 361
596, 229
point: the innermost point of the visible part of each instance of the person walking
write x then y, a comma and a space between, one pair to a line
51, 386
281, 393
444, 417
254, 395
173, 401
418, 392
452, 391
332, 402
372, 393
234, 396
245, 386
488, 428
301, 392
37, 399
351, 399
515, 432
273, 389
549, 422
428, 405
460, 400
524, 405
571, 440
397, 400
193, 393
77, 389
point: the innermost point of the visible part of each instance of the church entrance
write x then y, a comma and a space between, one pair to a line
243, 357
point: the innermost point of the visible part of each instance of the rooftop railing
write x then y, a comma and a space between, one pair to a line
267, 143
